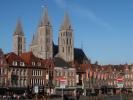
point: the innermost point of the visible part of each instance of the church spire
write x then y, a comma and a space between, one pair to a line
19, 29
66, 23
45, 19
18, 39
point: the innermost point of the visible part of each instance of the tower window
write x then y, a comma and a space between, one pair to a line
67, 40
68, 49
70, 41
62, 49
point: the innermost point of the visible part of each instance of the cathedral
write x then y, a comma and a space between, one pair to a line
42, 45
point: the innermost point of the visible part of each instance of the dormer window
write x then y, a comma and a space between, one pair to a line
14, 63
22, 64
39, 63
33, 63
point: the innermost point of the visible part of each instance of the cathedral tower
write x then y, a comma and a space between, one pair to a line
65, 40
18, 39
42, 43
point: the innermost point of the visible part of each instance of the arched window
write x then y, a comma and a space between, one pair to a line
67, 41
69, 49
62, 49
70, 41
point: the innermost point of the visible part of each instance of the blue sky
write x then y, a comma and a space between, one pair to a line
104, 27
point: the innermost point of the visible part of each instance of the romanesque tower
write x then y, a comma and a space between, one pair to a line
18, 39
65, 41
42, 43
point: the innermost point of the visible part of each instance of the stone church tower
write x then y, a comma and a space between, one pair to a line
65, 41
18, 39
42, 43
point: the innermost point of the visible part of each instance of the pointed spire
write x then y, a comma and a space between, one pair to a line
33, 37
45, 18
19, 30
66, 23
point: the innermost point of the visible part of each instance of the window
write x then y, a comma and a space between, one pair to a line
5, 72
1, 62
57, 83
33, 63
14, 63
22, 64
67, 40
70, 83
68, 49
62, 49
70, 73
73, 83
65, 73
57, 73
39, 63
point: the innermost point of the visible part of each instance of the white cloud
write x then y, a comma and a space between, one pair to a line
92, 16
83, 12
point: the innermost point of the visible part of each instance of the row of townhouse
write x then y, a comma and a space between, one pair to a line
26, 71
97, 76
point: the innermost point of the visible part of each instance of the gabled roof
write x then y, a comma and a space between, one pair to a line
10, 57
58, 62
55, 49
28, 57
79, 55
